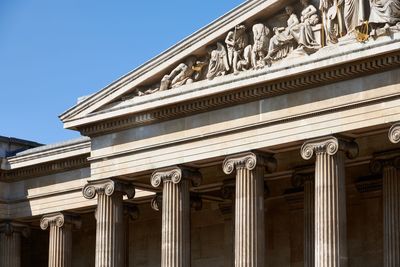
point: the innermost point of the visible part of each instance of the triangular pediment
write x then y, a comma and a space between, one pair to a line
152, 71
206, 61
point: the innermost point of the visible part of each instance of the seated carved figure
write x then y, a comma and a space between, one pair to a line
181, 75
302, 32
218, 62
283, 42
384, 13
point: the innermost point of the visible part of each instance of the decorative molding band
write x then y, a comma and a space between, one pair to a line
249, 161
59, 219
394, 133
175, 175
330, 145
8, 228
45, 169
376, 166
248, 94
108, 187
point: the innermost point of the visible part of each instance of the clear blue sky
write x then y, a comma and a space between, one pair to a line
53, 51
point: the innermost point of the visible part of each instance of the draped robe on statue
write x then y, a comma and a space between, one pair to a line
384, 11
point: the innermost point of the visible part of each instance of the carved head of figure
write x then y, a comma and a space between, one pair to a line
240, 28
289, 10
190, 61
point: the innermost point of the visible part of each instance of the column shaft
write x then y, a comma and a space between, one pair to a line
249, 217
60, 246
330, 211
175, 224
109, 219
309, 228
10, 249
109, 230
391, 216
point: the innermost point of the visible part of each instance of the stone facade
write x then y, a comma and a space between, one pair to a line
254, 142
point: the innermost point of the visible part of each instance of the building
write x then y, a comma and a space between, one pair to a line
260, 140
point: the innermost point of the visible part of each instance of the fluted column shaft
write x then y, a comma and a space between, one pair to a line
330, 210
249, 208
389, 167
175, 238
391, 215
176, 228
249, 217
10, 250
10, 243
60, 238
109, 220
330, 199
309, 229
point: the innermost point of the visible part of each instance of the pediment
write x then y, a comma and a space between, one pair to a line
208, 65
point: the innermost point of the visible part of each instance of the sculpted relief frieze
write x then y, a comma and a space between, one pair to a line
300, 34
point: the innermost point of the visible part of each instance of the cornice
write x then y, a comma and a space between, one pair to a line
49, 153
45, 168
303, 79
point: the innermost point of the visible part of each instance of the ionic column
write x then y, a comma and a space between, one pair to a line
249, 206
175, 243
109, 219
330, 198
391, 209
60, 238
10, 243
307, 181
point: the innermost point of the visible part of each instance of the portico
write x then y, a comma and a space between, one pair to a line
287, 161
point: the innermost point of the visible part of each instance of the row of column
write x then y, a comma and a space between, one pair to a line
325, 212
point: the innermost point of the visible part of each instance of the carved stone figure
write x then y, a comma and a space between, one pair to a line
353, 14
332, 19
384, 13
302, 32
260, 46
236, 41
283, 42
218, 63
181, 75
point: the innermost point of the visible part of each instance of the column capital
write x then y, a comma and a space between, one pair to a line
196, 202
248, 160
175, 175
59, 219
394, 133
330, 145
228, 189
108, 187
378, 164
8, 228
